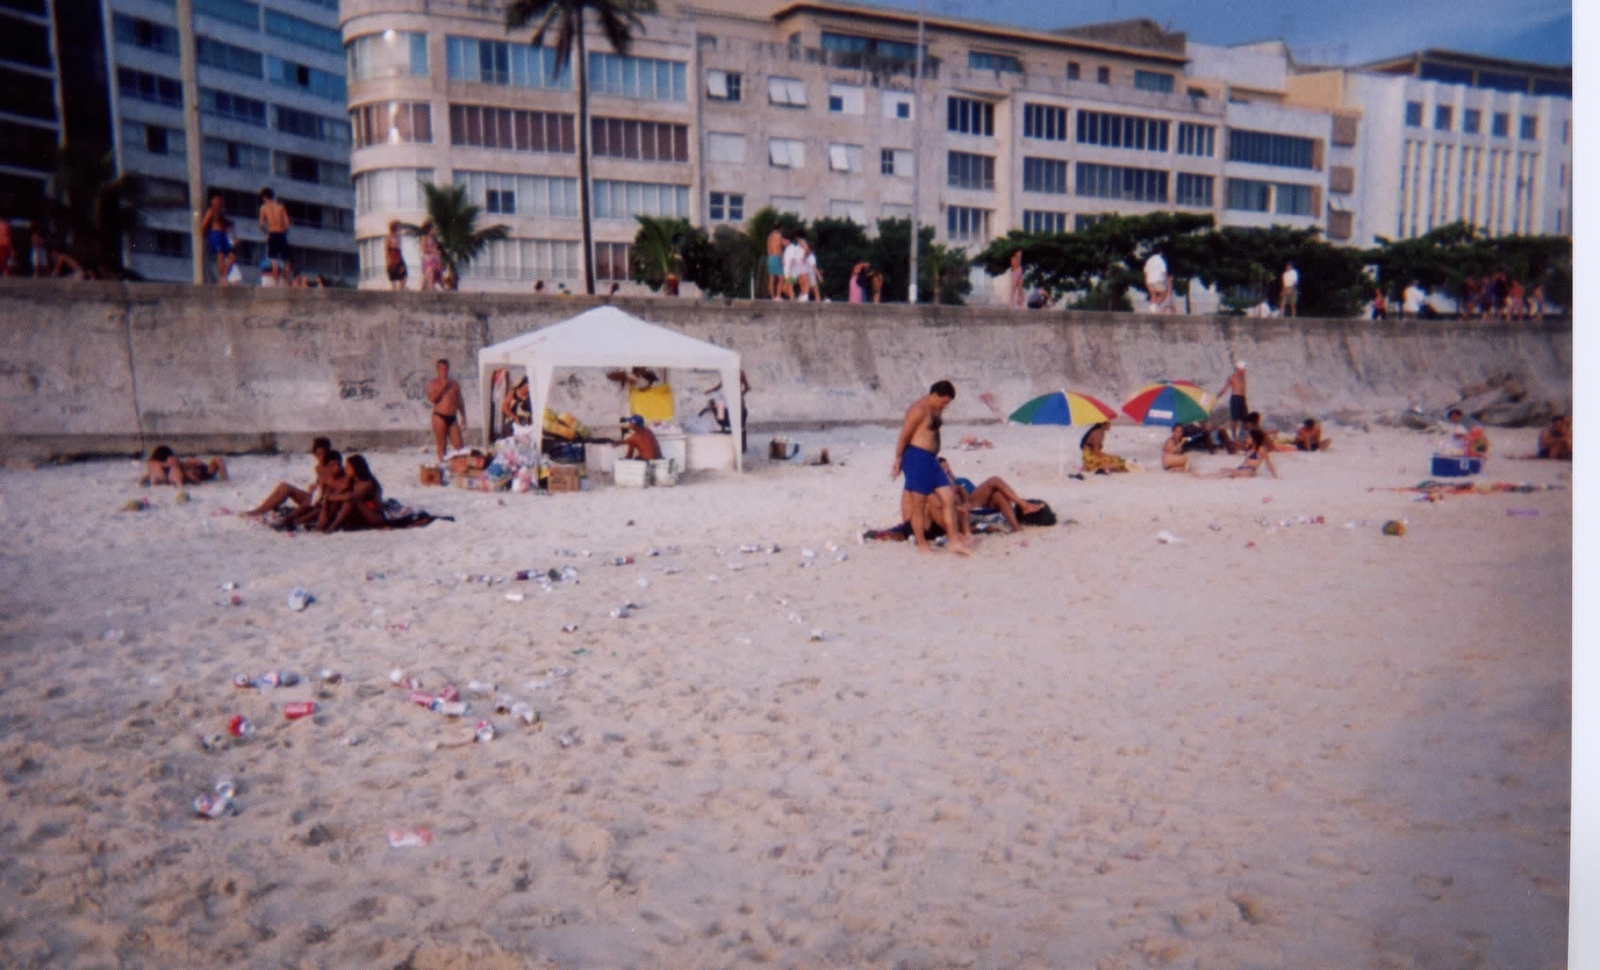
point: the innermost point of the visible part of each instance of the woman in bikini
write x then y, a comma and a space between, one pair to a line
1255, 456
359, 504
1172, 457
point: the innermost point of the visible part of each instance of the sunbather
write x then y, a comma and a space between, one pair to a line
1095, 458
165, 468
301, 497
1556, 440
358, 504
1309, 437
1172, 457
1257, 454
993, 493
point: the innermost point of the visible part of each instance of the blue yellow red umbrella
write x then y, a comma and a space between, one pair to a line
1168, 403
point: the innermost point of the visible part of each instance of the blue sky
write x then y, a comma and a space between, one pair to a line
1344, 31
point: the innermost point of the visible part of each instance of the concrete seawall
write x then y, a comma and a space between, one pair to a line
105, 368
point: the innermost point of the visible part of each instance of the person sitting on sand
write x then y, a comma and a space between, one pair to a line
1556, 440
165, 468
1308, 437
993, 493
1467, 442
301, 497
1173, 458
358, 504
641, 442
1258, 453
1095, 458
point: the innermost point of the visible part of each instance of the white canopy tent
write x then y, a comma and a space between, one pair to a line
607, 337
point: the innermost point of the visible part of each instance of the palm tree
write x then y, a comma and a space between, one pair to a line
655, 249
618, 19
454, 221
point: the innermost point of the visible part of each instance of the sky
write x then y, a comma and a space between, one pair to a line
1317, 31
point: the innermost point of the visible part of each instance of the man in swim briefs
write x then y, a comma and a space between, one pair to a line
917, 454
1238, 407
449, 415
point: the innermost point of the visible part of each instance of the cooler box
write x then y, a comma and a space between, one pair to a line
631, 473
1451, 466
663, 471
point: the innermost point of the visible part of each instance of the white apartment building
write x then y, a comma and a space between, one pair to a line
1455, 138
273, 112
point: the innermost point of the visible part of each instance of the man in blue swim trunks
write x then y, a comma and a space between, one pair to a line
776, 286
916, 453
214, 223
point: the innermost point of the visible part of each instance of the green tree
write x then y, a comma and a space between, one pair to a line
1098, 264
1246, 265
839, 245
1444, 258
618, 20
654, 255
735, 266
454, 222
891, 256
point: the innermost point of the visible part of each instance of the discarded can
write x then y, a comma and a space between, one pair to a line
480, 687
484, 732
295, 712
1394, 527
503, 703
213, 742
622, 561
451, 708
286, 678
299, 598
524, 712
329, 676
409, 838
448, 693
236, 600
373, 575
620, 613
514, 597
243, 681
524, 574
240, 727
422, 698
211, 806
225, 787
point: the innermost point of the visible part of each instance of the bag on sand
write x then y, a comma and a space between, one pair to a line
1045, 515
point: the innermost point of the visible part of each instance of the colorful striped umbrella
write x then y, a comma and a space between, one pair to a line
1064, 408
1168, 403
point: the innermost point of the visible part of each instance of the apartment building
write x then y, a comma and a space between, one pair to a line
30, 114
1444, 137
273, 112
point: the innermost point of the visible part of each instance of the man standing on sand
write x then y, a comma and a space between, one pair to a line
449, 414
1238, 407
775, 285
274, 220
917, 454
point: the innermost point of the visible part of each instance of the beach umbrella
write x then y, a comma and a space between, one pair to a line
1168, 403
1064, 408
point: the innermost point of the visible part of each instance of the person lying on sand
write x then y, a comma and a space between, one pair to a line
1308, 437
993, 493
1172, 457
1095, 458
1258, 453
358, 504
1556, 440
301, 497
165, 468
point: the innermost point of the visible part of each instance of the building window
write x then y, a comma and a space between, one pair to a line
160, 242
1122, 131
611, 262
304, 32
786, 152
895, 210
1197, 93
393, 53
1443, 117
1246, 195
502, 193
1102, 75
1413, 114
155, 139
478, 126
648, 141
236, 107
849, 209
726, 207
304, 168
891, 50
1198, 140
1193, 190
387, 123
1292, 200
786, 91
646, 78
500, 62
897, 106
237, 155
724, 85
1472, 121
966, 224
795, 204
625, 200
227, 57
1074, 72
523, 259
846, 99
969, 171
388, 190
1047, 175
1035, 221
1266, 148
239, 12
725, 147
141, 33
1153, 81
1530, 128
896, 161
1044, 121
152, 87
307, 124
984, 61
1082, 222
844, 158
1121, 182
288, 74
1502, 125
970, 117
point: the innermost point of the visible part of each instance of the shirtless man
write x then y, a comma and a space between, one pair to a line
916, 453
214, 224
449, 414
1309, 437
274, 220
776, 286
641, 442
1238, 407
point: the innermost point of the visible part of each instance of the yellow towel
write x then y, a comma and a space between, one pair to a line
653, 403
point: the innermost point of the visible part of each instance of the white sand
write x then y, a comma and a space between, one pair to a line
1080, 748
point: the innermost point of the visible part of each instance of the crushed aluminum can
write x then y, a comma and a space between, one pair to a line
225, 787
503, 703
484, 732
449, 693
239, 726
620, 613
243, 681
211, 806
422, 698
409, 838
299, 599
329, 676
525, 713
451, 708
295, 712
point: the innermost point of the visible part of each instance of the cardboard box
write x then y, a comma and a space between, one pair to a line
1454, 466
564, 478
431, 475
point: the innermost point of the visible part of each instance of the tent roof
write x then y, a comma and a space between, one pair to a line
608, 337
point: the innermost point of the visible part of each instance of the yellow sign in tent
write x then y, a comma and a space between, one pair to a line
652, 403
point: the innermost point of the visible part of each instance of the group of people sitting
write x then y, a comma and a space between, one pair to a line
345, 495
972, 504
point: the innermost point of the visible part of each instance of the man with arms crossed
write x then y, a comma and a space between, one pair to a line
917, 454
449, 415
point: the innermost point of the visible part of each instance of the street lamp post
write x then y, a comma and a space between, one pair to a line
916, 151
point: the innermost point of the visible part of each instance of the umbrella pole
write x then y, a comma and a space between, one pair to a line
1061, 449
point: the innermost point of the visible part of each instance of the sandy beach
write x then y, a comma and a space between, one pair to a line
1274, 743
